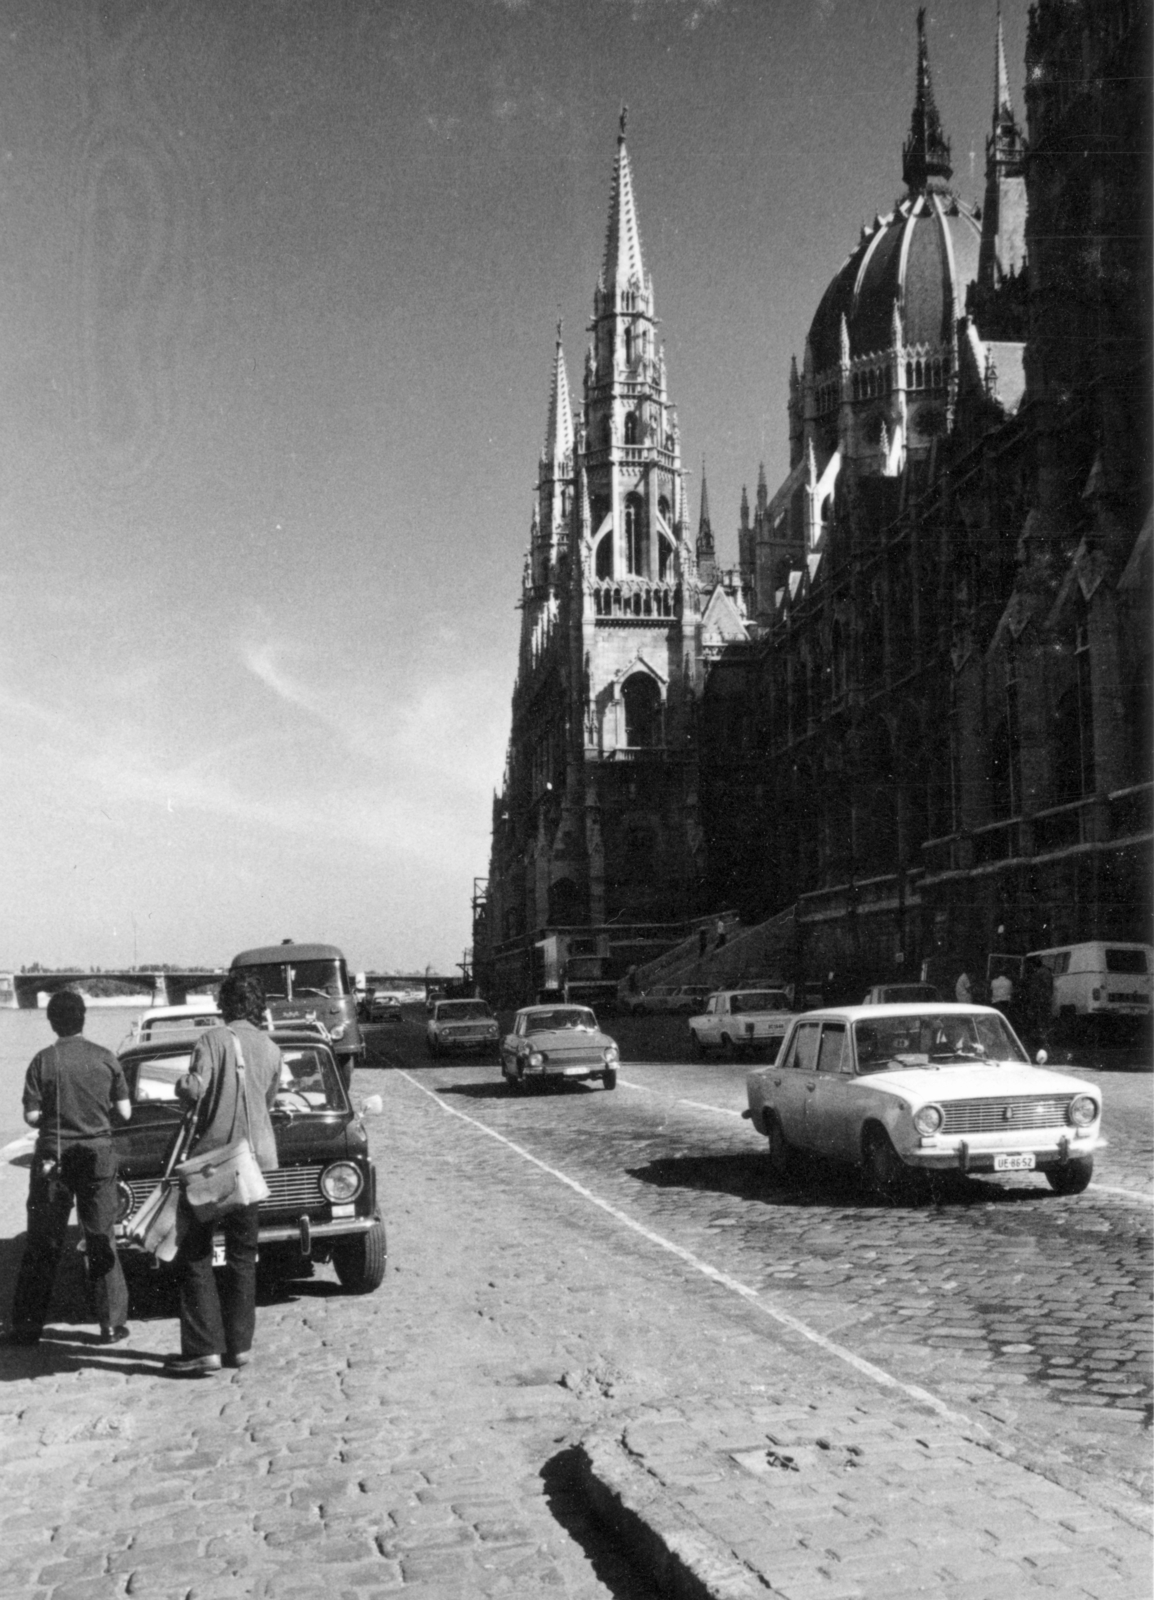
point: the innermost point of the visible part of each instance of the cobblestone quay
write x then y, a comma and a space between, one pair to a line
527, 1349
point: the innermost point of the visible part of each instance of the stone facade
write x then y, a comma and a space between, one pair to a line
937, 744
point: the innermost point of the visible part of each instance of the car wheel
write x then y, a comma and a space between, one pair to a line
360, 1260
609, 1077
885, 1174
781, 1152
727, 1049
1072, 1177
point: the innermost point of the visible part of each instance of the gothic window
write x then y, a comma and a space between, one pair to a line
665, 512
631, 427
664, 557
566, 903
628, 350
634, 536
604, 557
642, 701
1074, 726
1005, 747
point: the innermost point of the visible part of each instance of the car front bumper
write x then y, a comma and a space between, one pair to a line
978, 1155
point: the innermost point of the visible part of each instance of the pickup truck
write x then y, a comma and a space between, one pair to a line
740, 1021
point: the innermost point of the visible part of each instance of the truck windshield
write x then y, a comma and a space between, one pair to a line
297, 979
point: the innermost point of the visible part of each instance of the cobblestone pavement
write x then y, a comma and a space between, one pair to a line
420, 1440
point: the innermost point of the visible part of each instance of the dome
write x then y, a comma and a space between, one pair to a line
922, 256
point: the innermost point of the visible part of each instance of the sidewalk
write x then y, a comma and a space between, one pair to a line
816, 1499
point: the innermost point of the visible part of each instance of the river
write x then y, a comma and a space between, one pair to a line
22, 1033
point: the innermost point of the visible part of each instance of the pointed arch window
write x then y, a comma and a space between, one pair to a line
1005, 752
635, 536
603, 560
1074, 719
641, 698
631, 427
629, 345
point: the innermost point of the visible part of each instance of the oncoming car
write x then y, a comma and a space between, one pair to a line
385, 1006
554, 1042
323, 1200
933, 1088
460, 1026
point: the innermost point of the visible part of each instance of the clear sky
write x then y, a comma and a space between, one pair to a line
278, 288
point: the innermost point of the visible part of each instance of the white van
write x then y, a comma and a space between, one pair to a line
1103, 977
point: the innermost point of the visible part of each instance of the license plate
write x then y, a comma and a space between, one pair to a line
1014, 1163
574, 1072
218, 1252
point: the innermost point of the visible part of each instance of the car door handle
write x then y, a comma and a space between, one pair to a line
811, 1085
777, 1083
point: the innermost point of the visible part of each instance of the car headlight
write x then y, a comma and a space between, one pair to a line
928, 1119
612, 1055
339, 1031
535, 1058
492, 1032
124, 1205
341, 1181
1082, 1111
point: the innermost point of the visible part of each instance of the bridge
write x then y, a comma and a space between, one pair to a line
20, 991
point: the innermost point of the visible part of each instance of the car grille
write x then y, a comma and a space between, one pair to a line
1005, 1116
479, 1032
290, 1188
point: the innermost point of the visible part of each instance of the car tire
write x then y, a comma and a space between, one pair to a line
360, 1260
728, 1049
885, 1174
1072, 1176
609, 1077
781, 1153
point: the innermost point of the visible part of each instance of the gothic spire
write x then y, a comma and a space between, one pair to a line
1003, 105
559, 427
623, 238
926, 153
704, 526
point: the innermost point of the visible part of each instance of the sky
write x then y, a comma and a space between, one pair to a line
279, 282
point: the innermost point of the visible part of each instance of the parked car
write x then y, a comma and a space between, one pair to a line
385, 1006
460, 1026
309, 981
896, 994
323, 1200
666, 999
738, 1021
933, 1088
167, 1021
558, 1041
1102, 977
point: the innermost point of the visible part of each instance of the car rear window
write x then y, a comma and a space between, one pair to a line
1125, 960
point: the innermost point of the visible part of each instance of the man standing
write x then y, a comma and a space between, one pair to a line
217, 1325
70, 1093
964, 989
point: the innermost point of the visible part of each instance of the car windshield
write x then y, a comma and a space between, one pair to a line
463, 1011
154, 1077
931, 1038
562, 1017
290, 981
309, 1073
758, 1000
151, 1025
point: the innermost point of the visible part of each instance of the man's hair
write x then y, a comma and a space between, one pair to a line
66, 1012
241, 998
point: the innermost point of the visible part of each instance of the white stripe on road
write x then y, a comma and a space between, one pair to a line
734, 1285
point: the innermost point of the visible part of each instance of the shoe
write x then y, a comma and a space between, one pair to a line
191, 1366
115, 1335
237, 1358
20, 1336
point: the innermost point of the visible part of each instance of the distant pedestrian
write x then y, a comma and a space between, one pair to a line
71, 1092
217, 1323
720, 933
964, 989
1002, 992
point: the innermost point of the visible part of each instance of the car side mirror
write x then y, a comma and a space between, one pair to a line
373, 1106
1041, 1058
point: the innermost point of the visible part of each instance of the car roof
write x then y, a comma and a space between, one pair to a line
180, 1043
906, 1008
555, 1005
264, 955
192, 1009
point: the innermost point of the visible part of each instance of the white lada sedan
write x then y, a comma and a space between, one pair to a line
935, 1087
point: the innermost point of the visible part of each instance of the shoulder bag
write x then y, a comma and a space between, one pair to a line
229, 1178
155, 1227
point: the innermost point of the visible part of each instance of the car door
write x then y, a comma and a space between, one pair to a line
710, 1031
792, 1080
831, 1124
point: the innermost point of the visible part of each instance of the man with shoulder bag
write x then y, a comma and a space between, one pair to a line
233, 1079
71, 1092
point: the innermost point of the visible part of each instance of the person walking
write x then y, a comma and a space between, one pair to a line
964, 989
217, 1323
72, 1090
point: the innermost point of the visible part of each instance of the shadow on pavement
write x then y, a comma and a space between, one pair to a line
817, 1184
569, 1509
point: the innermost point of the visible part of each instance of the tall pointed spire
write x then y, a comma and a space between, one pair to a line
1003, 105
559, 427
704, 526
623, 239
926, 153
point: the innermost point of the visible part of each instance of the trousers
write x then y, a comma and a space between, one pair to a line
87, 1175
218, 1318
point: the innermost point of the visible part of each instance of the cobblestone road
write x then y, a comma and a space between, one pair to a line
418, 1440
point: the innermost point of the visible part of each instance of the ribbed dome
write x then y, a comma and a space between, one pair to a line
922, 255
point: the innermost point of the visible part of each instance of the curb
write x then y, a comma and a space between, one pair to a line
684, 1560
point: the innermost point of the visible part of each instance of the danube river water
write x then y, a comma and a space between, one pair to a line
22, 1033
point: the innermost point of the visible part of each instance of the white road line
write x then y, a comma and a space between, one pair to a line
700, 1105
1127, 1194
734, 1285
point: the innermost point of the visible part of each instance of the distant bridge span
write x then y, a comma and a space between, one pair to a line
19, 991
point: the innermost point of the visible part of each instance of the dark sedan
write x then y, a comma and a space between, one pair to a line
323, 1200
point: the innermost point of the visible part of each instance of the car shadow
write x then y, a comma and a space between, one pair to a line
812, 1182
495, 1090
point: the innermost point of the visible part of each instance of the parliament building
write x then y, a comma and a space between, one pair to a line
912, 727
